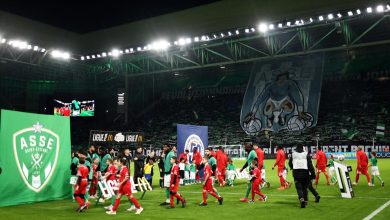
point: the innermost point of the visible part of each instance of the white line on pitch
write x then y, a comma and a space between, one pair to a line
374, 213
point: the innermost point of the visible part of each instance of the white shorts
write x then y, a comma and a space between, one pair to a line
167, 180
331, 171
182, 166
375, 171
192, 175
262, 173
230, 174
186, 175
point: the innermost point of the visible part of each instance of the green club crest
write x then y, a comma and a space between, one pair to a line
36, 153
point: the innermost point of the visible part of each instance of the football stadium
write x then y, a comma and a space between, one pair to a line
195, 109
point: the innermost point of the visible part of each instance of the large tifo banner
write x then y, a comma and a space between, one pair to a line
282, 94
190, 137
34, 157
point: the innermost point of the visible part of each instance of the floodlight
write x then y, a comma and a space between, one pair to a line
222, 35
358, 12
3, 40
196, 39
82, 58
263, 27
65, 55
339, 15
380, 8
311, 19
288, 23
93, 56
237, 32
230, 33
271, 27
330, 16
104, 54
88, 57
127, 51
350, 13
35, 48
253, 30
321, 18
98, 56
246, 30
280, 25
115, 53
182, 41
369, 10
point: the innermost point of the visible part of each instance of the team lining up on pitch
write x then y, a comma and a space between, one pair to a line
89, 167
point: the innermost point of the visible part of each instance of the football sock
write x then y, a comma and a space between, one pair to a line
166, 193
116, 204
248, 189
204, 197
113, 198
135, 202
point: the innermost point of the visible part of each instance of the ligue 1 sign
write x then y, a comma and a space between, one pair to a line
36, 153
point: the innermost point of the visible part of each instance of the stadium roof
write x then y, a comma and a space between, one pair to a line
217, 16
83, 18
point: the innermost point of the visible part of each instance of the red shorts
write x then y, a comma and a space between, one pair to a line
362, 170
174, 188
321, 169
125, 189
208, 186
82, 187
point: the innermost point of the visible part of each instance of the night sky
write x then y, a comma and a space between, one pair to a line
86, 16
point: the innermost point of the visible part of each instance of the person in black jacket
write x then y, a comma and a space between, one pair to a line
303, 172
139, 164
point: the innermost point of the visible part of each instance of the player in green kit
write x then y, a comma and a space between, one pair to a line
332, 172
375, 169
73, 170
171, 152
192, 172
251, 156
231, 175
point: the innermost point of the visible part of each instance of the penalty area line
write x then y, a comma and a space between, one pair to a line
377, 211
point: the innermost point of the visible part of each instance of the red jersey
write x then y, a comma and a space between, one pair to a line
66, 112
175, 172
183, 156
207, 171
222, 160
280, 159
198, 158
257, 173
83, 171
124, 174
362, 158
111, 172
260, 158
321, 159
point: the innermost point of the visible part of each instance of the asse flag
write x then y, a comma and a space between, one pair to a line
35, 157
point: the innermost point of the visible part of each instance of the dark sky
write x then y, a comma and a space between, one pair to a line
85, 16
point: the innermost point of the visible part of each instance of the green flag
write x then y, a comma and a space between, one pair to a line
35, 157
349, 134
380, 129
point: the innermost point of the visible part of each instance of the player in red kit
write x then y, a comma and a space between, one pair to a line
321, 165
280, 160
222, 161
198, 160
208, 185
125, 189
174, 185
362, 166
81, 186
256, 180
111, 175
95, 179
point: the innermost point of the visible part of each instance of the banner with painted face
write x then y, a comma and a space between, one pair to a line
191, 137
282, 94
35, 157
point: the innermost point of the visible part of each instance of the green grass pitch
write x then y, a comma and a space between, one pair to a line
280, 204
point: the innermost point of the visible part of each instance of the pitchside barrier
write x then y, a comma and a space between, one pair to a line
109, 187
